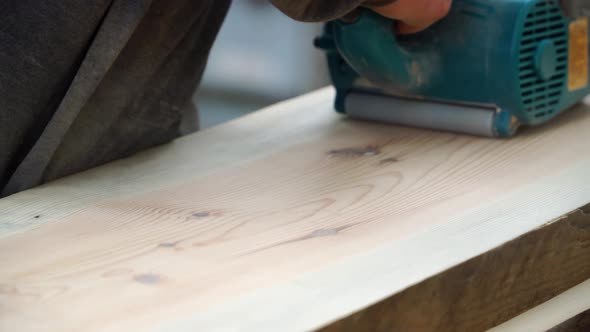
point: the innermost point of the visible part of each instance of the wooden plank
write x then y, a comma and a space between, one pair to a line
494, 287
288, 219
569, 311
579, 323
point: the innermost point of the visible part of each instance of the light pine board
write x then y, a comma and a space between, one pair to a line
285, 220
579, 323
488, 289
551, 313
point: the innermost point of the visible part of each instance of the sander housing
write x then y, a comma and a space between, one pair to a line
485, 69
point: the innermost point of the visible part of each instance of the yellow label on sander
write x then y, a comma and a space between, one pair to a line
578, 54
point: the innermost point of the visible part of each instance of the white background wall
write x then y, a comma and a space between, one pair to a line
260, 57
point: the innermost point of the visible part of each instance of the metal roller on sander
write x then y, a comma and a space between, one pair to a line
486, 69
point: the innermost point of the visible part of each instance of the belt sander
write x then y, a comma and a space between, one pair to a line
486, 69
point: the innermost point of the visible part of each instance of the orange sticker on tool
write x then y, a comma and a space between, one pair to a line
578, 54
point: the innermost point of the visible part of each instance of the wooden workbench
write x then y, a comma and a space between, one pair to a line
295, 219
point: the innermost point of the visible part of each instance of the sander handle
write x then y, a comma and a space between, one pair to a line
384, 58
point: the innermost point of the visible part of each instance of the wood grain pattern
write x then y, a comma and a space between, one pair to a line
287, 220
490, 289
551, 313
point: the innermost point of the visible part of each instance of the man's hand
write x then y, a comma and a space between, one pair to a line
415, 15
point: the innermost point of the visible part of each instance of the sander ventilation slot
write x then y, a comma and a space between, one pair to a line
543, 24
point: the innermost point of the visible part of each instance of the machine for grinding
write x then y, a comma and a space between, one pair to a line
486, 69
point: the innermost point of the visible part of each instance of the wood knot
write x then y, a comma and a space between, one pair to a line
148, 278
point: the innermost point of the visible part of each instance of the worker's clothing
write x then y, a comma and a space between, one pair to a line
86, 82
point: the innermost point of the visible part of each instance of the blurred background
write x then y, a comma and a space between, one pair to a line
260, 57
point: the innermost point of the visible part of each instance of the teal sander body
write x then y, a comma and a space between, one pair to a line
485, 69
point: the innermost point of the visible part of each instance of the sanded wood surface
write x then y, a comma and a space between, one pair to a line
289, 219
